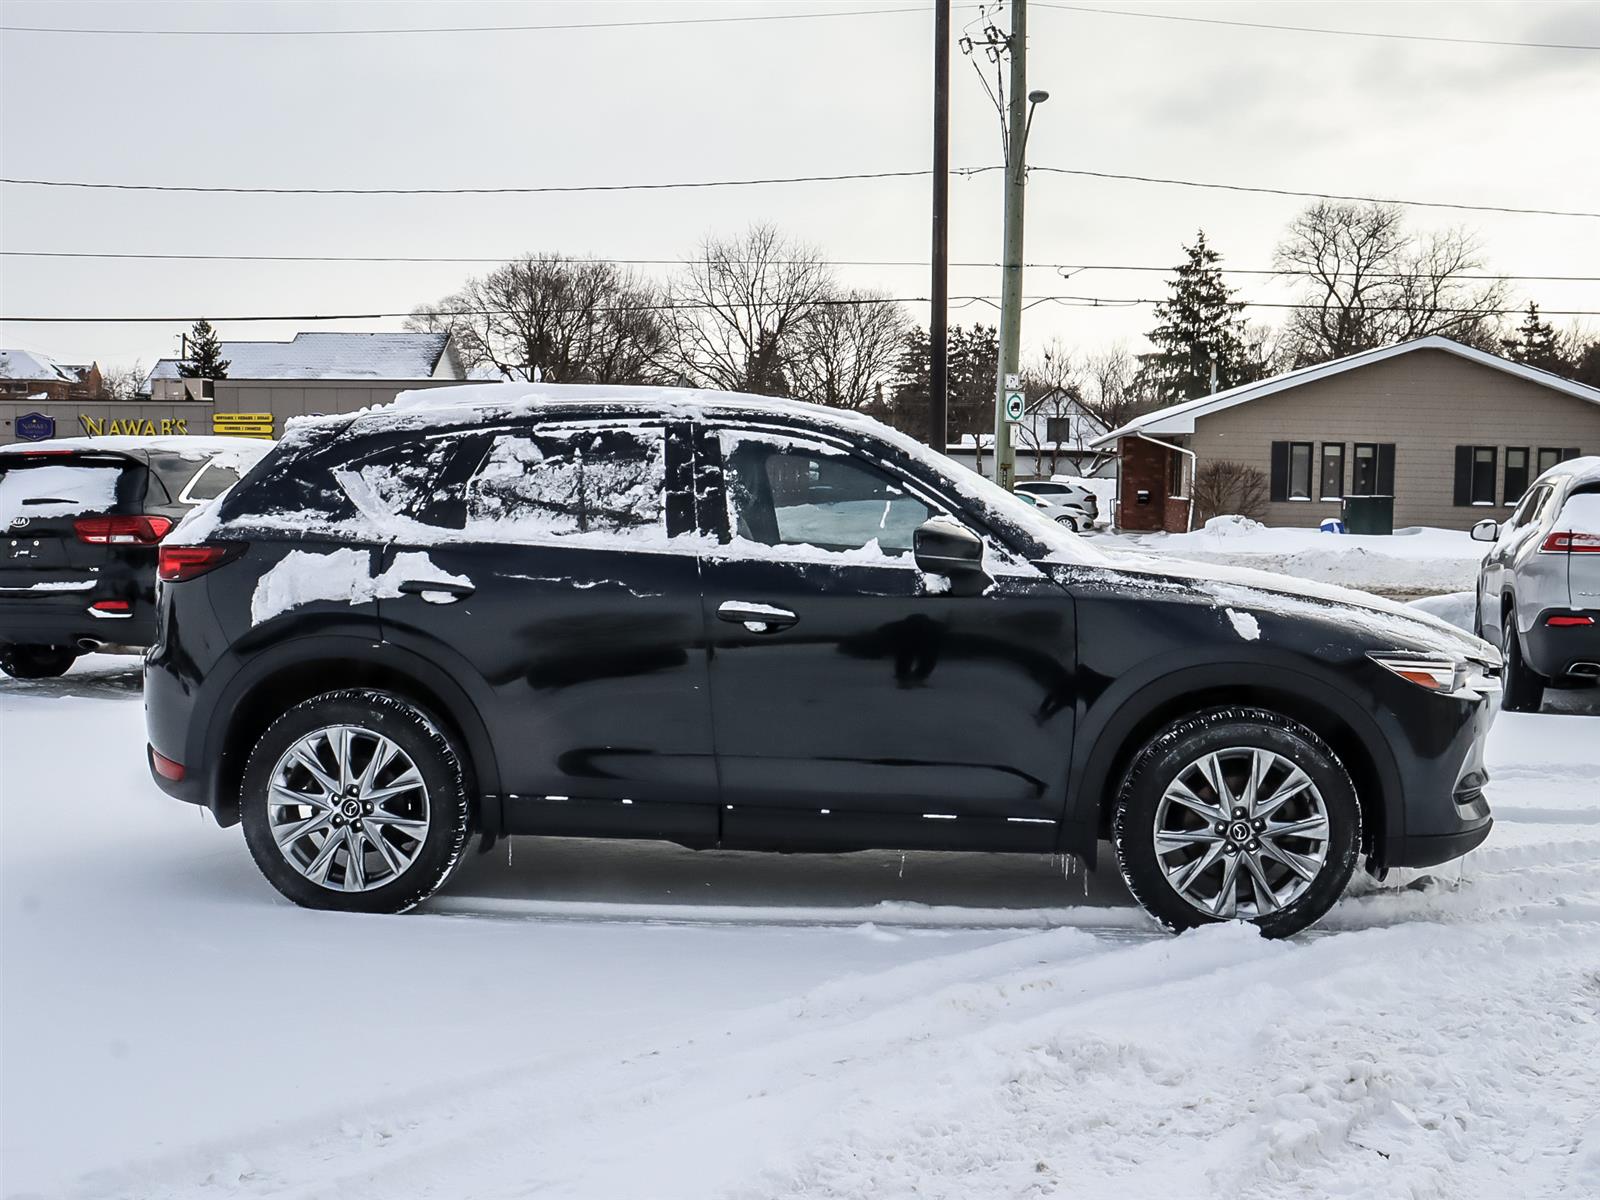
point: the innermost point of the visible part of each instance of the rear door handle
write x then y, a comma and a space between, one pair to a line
440, 588
757, 618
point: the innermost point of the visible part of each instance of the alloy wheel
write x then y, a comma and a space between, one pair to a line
348, 808
1241, 832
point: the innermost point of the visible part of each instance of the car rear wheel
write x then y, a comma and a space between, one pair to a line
36, 662
355, 800
1069, 522
1524, 687
1237, 814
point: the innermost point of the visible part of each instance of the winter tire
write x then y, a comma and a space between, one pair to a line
1524, 687
37, 662
1068, 522
355, 801
1237, 814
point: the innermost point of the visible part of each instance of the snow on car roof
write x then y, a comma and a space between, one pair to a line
248, 450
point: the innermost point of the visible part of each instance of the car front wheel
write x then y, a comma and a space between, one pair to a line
1069, 522
355, 800
1237, 814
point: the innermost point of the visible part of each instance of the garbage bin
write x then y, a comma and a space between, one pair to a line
1369, 514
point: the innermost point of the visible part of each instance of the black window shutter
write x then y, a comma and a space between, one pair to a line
1570, 453
1463, 476
1385, 469
1280, 471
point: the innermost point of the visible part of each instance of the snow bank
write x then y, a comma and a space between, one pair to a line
1411, 560
1458, 608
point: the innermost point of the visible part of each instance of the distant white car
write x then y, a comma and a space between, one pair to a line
1069, 504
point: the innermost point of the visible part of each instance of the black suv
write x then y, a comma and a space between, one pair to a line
734, 622
80, 519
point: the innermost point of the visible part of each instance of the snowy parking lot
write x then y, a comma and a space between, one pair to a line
584, 1019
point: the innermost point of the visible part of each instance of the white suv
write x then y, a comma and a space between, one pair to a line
1069, 504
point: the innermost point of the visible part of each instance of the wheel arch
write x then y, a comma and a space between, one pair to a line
275, 681
1313, 701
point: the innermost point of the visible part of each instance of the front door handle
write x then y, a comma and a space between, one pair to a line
440, 591
757, 618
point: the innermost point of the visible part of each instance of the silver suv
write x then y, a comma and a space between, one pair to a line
1539, 587
1069, 504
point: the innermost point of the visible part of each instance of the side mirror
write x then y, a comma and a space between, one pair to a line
942, 547
1486, 531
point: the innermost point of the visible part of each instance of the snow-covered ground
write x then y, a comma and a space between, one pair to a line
585, 1019
1410, 562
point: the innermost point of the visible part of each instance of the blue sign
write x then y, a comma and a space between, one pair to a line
35, 427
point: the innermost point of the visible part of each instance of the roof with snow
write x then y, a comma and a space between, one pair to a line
324, 355
1180, 418
31, 365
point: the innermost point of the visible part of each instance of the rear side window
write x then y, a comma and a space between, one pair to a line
1581, 512
555, 483
208, 483
47, 486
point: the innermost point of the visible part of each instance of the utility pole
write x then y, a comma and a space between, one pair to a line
1019, 118
939, 290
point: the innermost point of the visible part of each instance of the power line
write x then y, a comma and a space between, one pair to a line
1357, 33
403, 31
206, 189
209, 189
1084, 301
678, 262
1271, 191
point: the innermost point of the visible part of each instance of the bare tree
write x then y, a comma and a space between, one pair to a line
846, 351
1053, 383
123, 383
1113, 391
741, 307
562, 319
1370, 283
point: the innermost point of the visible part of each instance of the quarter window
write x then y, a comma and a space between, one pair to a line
796, 494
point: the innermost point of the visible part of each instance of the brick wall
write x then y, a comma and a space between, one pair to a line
1144, 467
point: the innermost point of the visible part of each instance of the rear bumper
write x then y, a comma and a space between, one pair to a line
70, 622
1553, 650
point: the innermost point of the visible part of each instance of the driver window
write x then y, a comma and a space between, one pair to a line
791, 493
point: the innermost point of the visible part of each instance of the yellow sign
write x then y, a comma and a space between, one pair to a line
137, 426
257, 425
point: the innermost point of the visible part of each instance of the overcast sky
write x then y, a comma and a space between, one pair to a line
1463, 123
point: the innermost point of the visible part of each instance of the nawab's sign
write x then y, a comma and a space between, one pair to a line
137, 426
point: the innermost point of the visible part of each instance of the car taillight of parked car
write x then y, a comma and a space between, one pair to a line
177, 564
1568, 542
122, 530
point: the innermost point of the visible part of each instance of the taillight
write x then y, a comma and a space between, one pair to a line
1567, 622
121, 530
167, 768
176, 564
1570, 542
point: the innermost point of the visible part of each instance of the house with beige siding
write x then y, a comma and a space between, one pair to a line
1452, 434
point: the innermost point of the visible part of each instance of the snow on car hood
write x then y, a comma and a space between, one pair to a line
1244, 588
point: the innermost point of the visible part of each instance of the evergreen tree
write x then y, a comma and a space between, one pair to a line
205, 359
1537, 344
1199, 324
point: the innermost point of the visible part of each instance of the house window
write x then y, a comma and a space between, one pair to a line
1058, 430
1516, 482
1475, 472
1332, 484
1300, 470
1549, 456
1175, 487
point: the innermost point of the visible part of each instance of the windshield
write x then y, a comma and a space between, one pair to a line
42, 486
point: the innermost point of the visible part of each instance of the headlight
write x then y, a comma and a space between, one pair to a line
1441, 673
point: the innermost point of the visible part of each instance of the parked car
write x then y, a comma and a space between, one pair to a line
80, 520
1069, 504
1538, 592
735, 622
